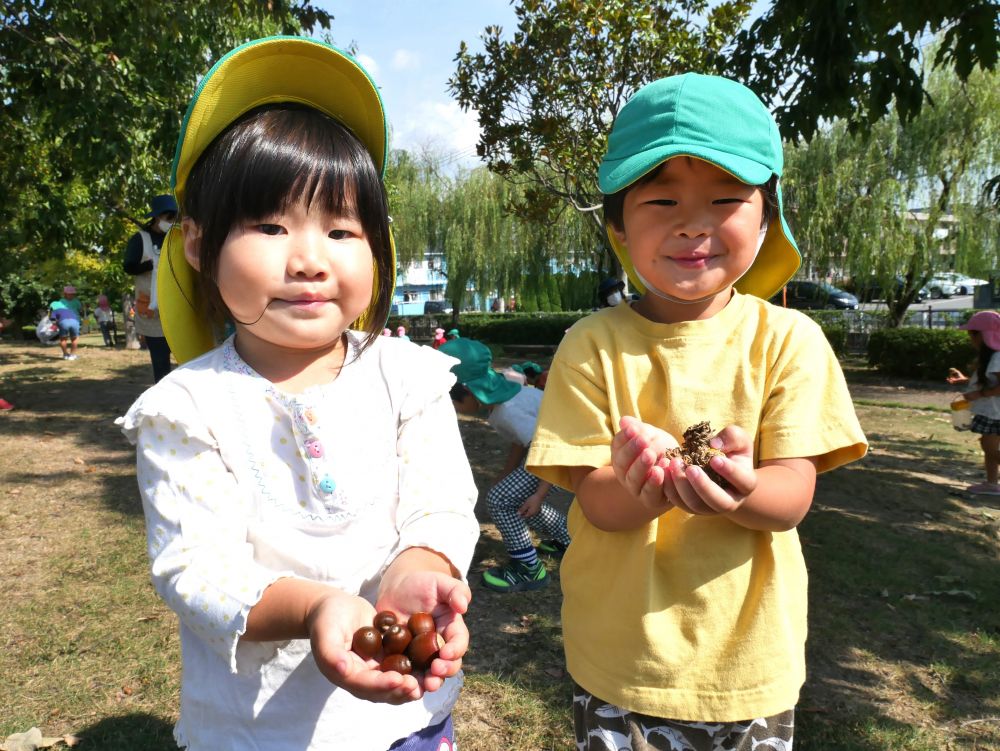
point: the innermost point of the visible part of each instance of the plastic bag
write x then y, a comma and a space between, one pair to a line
47, 330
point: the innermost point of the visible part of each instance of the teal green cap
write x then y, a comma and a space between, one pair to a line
719, 121
475, 371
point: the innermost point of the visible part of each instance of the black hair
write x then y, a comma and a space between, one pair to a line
982, 362
270, 158
458, 392
614, 203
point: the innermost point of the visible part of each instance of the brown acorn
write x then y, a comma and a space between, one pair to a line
423, 649
366, 643
396, 639
421, 623
384, 620
400, 663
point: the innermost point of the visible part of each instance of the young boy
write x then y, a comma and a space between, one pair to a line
684, 612
517, 500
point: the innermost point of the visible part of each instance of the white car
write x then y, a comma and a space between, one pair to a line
964, 285
941, 285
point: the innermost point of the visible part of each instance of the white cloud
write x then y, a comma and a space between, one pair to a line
369, 63
405, 60
441, 125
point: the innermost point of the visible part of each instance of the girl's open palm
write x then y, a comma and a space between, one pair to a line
635, 450
445, 598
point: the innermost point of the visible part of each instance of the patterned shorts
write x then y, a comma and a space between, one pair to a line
985, 425
604, 727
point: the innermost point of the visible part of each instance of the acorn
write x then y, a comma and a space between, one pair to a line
423, 649
384, 620
366, 643
396, 639
399, 663
421, 623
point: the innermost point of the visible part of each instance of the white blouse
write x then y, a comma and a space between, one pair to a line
243, 484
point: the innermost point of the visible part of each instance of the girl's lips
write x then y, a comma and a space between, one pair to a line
306, 304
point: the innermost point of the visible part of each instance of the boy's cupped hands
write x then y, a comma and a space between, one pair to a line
637, 456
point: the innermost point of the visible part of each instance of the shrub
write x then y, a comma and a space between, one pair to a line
911, 352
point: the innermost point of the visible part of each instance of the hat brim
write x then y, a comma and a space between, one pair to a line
280, 69
775, 264
492, 388
187, 330
616, 175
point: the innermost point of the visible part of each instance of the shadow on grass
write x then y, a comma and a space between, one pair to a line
129, 733
903, 604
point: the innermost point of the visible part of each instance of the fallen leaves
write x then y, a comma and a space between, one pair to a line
33, 740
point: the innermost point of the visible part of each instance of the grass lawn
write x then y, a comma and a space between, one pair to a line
904, 649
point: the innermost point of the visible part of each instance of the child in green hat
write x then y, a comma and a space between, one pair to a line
684, 611
517, 500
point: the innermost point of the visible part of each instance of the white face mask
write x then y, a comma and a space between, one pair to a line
614, 298
164, 225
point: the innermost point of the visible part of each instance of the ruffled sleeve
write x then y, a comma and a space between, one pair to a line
196, 519
437, 494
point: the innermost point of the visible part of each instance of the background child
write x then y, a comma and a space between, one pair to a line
438, 338
66, 312
105, 319
684, 608
288, 483
517, 499
983, 391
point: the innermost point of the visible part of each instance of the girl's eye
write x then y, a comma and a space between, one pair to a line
339, 234
722, 201
662, 202
270, 229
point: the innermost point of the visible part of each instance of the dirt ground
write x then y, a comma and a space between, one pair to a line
62, 454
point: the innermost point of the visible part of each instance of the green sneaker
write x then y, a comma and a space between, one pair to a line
552, 547
515, 577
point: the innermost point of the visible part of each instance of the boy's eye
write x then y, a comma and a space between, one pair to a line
721, 201
340, 234
270, 229
662, 202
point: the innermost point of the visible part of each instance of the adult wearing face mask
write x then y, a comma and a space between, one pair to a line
610, 292
142, 257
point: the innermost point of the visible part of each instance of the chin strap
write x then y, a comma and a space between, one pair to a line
670, 298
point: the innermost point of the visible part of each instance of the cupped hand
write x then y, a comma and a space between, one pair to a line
447, 600
635, 451
332, 622
692, 490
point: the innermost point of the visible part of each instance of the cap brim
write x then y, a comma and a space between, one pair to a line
280, 69
492, 388
188, 332
614, 176
776, 263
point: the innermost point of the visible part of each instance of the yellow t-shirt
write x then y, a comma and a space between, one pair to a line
691, 617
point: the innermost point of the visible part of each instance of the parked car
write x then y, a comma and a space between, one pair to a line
870, 289
437, 306
806, 295
941, 285
964, 285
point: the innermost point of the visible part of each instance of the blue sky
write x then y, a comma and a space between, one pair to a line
409, 48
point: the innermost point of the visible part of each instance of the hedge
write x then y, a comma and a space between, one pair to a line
912, 352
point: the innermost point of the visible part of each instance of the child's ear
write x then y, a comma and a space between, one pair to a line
619, 233
191, 233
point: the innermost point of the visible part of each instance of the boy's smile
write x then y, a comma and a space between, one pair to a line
691, 231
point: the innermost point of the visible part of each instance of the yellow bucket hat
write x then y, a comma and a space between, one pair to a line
264, 71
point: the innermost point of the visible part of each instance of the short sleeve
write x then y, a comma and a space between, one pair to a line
574, 428
808, 410
201, 562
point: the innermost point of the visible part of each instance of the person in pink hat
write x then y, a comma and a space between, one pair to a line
438, 338
105, 319
984, 393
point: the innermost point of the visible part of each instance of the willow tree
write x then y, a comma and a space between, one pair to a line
902, 199
487, 246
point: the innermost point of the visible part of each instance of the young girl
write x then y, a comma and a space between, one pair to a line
286, 475
984, 390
